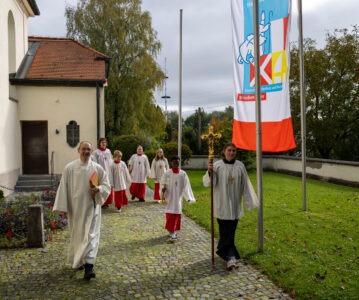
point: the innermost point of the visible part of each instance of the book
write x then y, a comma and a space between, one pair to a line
94, 179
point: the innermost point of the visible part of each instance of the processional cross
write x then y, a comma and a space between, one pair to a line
210, 137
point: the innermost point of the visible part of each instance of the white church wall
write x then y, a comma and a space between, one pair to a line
59, 106
13, 45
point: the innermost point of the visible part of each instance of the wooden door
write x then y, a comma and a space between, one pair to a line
35, 158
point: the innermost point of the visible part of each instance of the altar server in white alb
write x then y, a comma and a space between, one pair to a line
102, 155
230, 184
158, 167
175, 185
120, 179
139, 168
83, 188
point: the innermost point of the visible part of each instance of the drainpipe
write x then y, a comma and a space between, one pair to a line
98, 109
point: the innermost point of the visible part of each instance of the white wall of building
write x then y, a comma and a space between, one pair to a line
61, 105
14, 13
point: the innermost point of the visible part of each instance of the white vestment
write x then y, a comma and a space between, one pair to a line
178, 186
84, 213
158, 168
103, 158
119, 176
139, 168
230, 184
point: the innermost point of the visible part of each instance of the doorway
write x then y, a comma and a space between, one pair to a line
35, 159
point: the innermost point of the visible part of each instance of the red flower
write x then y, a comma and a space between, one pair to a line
9, 234
50, 206
8, 213
52, 223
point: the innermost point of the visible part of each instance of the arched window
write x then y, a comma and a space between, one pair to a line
72, 133
11, 42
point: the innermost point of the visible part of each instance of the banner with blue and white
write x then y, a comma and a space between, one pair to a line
273, 28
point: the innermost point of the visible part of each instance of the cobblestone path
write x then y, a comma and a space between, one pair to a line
135, 261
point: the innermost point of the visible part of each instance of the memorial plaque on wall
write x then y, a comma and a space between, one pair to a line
73, 134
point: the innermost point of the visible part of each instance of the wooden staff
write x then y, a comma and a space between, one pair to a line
210, 138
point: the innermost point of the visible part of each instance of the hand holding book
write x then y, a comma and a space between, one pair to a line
94, 184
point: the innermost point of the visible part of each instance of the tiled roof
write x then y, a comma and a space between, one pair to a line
65, 59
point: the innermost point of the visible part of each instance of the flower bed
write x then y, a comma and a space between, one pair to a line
14, 218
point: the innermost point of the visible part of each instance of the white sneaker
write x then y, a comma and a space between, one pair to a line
231, 263
173, 237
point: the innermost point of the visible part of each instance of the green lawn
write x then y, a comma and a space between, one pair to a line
312, 254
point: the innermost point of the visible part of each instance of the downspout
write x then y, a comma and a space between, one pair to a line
98, 109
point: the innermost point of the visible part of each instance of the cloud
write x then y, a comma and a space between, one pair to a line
207, 42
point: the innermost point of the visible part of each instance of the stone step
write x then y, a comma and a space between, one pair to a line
32, 183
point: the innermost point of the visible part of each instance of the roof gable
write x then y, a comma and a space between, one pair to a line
54, 59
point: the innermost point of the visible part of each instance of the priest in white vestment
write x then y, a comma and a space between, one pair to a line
230, 184
139, 168
175, 185
80, 202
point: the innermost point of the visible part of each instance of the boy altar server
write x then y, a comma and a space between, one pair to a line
175, 185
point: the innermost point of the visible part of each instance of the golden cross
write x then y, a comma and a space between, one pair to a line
211, 136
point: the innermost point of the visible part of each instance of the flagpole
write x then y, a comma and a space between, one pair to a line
258, 125
302, 106
180, 92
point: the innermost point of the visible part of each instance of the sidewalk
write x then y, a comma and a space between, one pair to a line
135, 261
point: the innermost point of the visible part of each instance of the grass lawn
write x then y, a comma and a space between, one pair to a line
312, 254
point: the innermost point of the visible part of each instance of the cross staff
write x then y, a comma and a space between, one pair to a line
210, 137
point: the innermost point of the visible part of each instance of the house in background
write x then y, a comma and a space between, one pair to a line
52, 98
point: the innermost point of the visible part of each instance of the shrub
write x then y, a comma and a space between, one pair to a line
150, 154
14, 217
1, 194
171, 149
127, 144
248, 158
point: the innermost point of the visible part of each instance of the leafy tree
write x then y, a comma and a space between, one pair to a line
122, 31
172, 126
127, 144
332, 89
193, 128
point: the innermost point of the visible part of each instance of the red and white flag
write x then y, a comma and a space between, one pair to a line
273, 28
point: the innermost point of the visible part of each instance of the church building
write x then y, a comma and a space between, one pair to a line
51, 97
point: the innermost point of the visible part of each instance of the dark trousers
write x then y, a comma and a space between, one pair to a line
226, 247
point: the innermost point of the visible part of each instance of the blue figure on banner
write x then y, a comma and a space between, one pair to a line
246, 49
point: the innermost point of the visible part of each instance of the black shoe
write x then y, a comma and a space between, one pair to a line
89, 273
141, 200
80, 268
133, 198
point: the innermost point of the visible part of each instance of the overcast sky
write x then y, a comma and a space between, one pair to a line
207, 80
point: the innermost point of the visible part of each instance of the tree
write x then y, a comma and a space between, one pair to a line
119, 29
194, 126
332, 89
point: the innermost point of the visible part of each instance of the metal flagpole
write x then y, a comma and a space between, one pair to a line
258, 125
180, 92
302, 106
